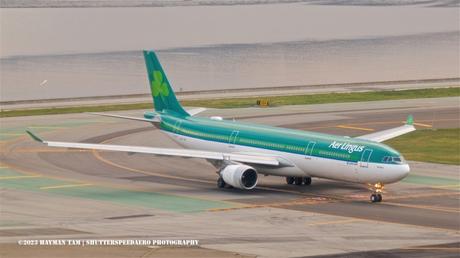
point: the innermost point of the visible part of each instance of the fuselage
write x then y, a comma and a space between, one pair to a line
311, 154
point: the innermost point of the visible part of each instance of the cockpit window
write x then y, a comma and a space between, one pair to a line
388, 159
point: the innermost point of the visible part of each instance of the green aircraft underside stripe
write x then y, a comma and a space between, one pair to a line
277, 139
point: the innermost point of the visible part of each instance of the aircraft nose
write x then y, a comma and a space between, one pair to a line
403, 171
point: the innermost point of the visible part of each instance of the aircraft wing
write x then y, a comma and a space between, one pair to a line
390, 133
210, 155
192, 112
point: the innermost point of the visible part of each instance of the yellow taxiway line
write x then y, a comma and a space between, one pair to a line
269, 205
97, 155
355, 128
383, 123
17, 177
342, 221
421, 195
397, 122
38, 150
64, 186
453, 249
207, 181
328, 199
46, 127
446, 186
424, 207
423, 125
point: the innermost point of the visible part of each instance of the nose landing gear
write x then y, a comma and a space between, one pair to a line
377, 190
376, 197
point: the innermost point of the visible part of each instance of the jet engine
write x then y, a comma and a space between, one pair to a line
239, 176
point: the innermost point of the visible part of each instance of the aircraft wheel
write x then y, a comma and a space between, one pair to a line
307, 180
221, 183
376, 198
289, 180
298, 180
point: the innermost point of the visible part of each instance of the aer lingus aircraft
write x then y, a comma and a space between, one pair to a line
243, 151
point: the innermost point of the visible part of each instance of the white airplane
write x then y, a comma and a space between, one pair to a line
242, 151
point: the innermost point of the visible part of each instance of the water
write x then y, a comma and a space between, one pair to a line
48, 31
164, 3
96, 51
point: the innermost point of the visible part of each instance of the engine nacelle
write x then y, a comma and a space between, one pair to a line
240, 176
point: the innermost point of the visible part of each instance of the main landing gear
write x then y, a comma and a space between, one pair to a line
221, 183
377, 190
298, 180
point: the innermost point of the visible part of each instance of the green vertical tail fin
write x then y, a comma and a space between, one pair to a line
162, 93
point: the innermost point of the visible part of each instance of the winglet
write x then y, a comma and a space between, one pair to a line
410, 120
35, 137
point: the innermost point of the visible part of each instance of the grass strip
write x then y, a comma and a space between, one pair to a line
251, 101
437, 146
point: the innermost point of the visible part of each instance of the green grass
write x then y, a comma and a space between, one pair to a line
248, 102
328, 98
438, 146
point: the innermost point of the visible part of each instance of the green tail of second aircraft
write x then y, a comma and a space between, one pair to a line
163, 95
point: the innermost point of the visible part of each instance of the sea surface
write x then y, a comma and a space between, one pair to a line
76, 52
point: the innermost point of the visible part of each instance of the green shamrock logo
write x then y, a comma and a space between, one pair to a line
159, 86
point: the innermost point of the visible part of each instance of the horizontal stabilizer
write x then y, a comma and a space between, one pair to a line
153, 120
195, 111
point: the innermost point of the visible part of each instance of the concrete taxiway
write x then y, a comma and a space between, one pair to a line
74, 194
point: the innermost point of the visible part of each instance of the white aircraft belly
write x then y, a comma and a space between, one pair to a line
305, 165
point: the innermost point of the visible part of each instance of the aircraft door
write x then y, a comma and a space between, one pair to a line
232, 138
309, 149
365, 158
177, 126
